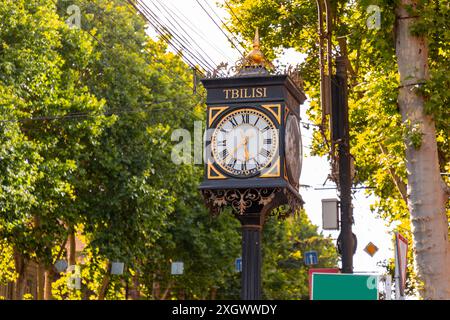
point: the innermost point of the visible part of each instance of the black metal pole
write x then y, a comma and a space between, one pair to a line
342, 139
251, 262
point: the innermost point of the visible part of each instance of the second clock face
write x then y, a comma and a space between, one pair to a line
244, 142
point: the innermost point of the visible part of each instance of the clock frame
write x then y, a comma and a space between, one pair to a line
252, 153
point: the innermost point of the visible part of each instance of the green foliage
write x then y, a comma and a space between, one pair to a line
377, 130
86, 118
285, 276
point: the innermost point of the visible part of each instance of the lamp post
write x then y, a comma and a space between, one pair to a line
334, 102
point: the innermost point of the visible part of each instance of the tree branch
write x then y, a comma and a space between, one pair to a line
401, 186
166, 292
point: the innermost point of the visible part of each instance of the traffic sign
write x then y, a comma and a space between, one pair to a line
318, 270
61, 265
177, 268
117, 268
343, 286
401, 262
311, 258
371, 249
238, 264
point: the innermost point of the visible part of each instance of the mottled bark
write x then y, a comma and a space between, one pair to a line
135, 293
71, 257
49, 275
426, 193
20, 264
105, 283
40, 283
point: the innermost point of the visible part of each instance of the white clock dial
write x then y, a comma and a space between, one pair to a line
293, 150
244, 142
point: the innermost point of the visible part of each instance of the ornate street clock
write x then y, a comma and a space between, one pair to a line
253, 142
253, 151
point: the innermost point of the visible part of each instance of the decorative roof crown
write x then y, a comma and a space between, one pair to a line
255, 60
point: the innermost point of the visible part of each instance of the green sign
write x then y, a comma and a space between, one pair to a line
340, 286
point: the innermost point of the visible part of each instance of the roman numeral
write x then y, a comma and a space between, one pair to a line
267, 141
223, 130
245, 118
244, 166
233, 122
257, 119
222, 143
224, 153
264, 153
265, 129
233, 163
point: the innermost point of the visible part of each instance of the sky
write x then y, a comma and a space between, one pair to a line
367, 227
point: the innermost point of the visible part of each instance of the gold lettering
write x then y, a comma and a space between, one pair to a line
245, 93
259, 92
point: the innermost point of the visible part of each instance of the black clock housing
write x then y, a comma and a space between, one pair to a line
277, 96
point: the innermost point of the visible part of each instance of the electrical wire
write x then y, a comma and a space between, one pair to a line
78, 115
197, 31
213, 20
173, 40
179, 27
234, 14
224, 24
180, 40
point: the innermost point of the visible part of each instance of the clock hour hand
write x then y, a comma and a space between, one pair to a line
246, 153
234, 150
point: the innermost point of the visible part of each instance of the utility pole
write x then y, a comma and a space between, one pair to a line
341, 137
334, 91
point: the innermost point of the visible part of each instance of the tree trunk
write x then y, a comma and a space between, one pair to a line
213, 293
20, 266
167, 291
105, 283
48, 283
426, 193
71, 258
135, 293
40, 281
156, 290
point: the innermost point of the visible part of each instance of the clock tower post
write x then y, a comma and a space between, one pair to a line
253, 152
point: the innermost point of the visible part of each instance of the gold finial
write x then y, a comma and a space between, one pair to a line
256, 40
256, 58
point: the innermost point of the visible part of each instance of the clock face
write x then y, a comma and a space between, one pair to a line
244, 142
293, 150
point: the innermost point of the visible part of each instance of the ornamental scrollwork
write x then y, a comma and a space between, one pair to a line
239, 199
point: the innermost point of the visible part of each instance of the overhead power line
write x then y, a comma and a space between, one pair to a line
170, 16
186, 45
197, 30
169, 36
234, 14
78, 115
215, 22
150, 64
224, 24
